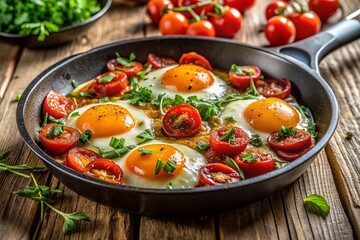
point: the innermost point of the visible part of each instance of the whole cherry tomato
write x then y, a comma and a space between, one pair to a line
240, 5
154, 9
280, 30
300, 140
159, 62
173, 23
240, 76
274, 8
104, 169
279, 88
196, 59
58, 143
306, 24
324, 8
181, 121
78, 157
201, 11
110, 83
229, 140
228, 24
254, 162
57, 105
131, 70
201, 28
217, 174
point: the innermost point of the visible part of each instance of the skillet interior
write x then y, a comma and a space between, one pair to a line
309, 88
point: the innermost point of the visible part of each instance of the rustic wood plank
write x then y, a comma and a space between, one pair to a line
8, 58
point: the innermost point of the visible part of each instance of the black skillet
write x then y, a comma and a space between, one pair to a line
309, 87
64, 35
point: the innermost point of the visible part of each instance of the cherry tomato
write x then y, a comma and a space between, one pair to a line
306, 24
118, 84
240, 76
290, 156
57, 105
217, 174
261, 163
131, 71
175, 3
280, 30
196, 59
279, 88
240, 5
58, 144
201, 28
296, 142
201, 11
173, 23
233, 144
214, 157
154, 9
324, 8
228, 24
181, 121
104, 169
77, 158
274, 8
159, 62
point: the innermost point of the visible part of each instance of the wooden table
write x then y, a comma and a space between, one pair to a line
334, 174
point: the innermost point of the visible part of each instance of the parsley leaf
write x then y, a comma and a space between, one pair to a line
108, 78
317, 204
138, 95
126, 62
55, 131
256, 140
249, 157
285, 132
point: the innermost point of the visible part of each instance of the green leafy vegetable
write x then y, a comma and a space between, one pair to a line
233, 164
311, 126
85, 137
256, 140
18, 97
126, 62
75, 114
159, 165
145, 136
39, 17
55, 131
138, 95
249, 157
170, 166
108, 78
285, 132
201, 146
229, 136
317, 204
104, 100
145, 151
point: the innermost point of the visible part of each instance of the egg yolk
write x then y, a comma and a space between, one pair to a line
187, 78
270, 114
105, 120
144, 165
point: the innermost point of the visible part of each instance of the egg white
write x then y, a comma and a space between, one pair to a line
153, 81
187, 178
142, 122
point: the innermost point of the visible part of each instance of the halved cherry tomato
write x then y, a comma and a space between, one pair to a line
57, 105
214, 157
217, 174
262, 163
59, 144
274, 8
228, 24
231, 146
240, 76
173, 23
201, 28
279, 88
159, 62
306, 24
118, 84
290, 156
280, 30
324, 8
297, 142
203, 10
181, 121
104, 169
78, 157
240, 5
154, 9
131, 71
196, 59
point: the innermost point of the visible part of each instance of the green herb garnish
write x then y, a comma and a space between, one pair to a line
17, 97
145, 151
229, 136
201, 146
170, 166
317, 204
108, 78
145, 136
85, 137
256, 140
138, 95
104, 100
126, 62
249, 157
55, 131
159, 165
285, 132
74, 83
233, 164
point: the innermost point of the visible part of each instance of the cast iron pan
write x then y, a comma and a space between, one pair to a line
64, 35
309, 87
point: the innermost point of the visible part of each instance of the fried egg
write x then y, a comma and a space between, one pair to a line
106, 120
263, 116
185, 80
139, 168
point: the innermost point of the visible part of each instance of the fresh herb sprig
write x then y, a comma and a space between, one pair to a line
311, 126
317, 204
285, 132
138, 95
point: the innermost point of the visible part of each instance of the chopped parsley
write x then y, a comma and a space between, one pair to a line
249, 157
285, 132
126, 62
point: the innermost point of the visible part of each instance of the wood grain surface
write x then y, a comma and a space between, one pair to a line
335, 173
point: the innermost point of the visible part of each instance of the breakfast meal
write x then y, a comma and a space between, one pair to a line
172, 124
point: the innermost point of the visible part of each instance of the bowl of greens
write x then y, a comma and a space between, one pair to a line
45, 23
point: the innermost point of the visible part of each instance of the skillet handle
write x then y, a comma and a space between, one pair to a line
313, 49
